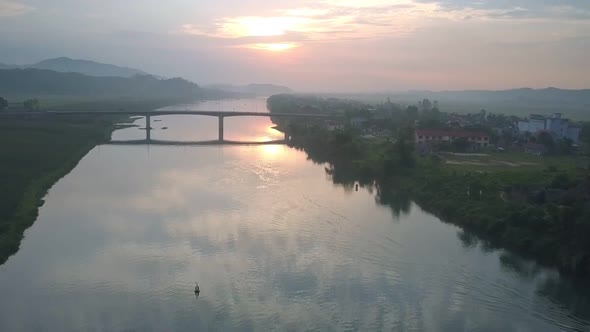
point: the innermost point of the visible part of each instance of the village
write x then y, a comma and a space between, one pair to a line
436, 131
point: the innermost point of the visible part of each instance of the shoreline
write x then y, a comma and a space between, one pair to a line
38, 152
538, 209
526, 229
38, 181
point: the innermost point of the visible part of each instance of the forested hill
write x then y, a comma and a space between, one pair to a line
47, 82
86, 67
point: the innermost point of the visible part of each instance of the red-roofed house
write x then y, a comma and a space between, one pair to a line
426, 137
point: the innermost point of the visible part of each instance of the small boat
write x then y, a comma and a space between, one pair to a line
197, 289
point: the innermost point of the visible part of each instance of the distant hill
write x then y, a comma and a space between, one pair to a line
47, 82
67, 65
264, 90
5, 66
523, 95
86, 67
572, 103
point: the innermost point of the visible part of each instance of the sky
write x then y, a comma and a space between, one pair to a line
322, 45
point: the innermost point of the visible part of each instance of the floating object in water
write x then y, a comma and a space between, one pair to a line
197, 289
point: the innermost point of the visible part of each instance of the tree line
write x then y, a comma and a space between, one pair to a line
29, 104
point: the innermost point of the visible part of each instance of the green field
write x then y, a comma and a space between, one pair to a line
513, 161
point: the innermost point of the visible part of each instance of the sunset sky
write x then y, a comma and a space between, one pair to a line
324, 45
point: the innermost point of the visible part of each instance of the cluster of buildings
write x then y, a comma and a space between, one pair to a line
508, 131
557, 126
425, 139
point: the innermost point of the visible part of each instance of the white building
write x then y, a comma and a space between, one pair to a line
559, 127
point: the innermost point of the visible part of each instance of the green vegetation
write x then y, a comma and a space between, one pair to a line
34, 154
31, 105
3, 103
37, 151
536, 205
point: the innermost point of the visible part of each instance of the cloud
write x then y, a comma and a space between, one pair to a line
325, 20
12, 8
341, 20
519, 9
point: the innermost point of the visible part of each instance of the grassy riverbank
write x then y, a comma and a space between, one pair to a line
34, 154
538, 207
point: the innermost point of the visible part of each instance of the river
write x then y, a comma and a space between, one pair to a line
272, 242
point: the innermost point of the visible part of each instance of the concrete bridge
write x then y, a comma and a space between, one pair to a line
148, 114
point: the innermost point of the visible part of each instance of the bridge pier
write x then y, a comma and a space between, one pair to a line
148, 127
220, 128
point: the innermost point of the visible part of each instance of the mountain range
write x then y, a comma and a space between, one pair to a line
97, 69
86, 67
39, 82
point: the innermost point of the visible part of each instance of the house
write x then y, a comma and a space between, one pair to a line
534, 149
559, 127
425, 137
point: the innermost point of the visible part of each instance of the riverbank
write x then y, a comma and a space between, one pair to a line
37, 152
34, 154
540, 210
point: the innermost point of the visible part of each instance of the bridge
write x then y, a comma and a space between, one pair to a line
148, 114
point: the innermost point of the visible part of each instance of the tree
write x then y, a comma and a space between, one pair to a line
31, 104
3, 104
426, 105
565, 146
412, 113
546, 139
585, 136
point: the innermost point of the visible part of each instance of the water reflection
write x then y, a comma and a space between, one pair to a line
191, 128
570, 296
273, 244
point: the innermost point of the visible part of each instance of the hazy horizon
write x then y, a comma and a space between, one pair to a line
323, 46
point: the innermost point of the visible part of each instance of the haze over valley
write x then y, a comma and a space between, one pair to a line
295, 165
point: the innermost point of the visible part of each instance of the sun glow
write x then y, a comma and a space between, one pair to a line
272, 150
255, 26
274, 47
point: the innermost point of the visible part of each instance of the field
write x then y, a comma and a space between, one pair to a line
496, 161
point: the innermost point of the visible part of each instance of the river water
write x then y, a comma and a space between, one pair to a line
272, 242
